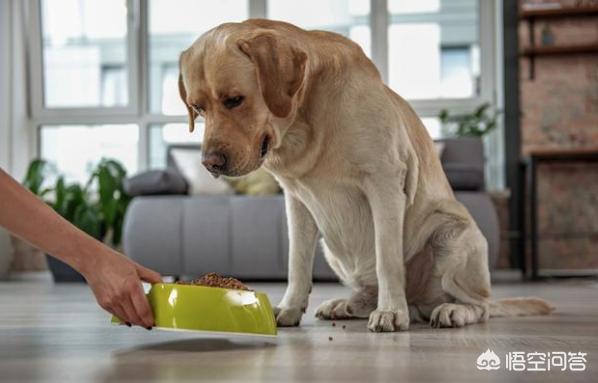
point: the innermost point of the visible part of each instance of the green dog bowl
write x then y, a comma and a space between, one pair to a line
213, 309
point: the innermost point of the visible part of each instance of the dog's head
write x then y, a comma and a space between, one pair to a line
245, 84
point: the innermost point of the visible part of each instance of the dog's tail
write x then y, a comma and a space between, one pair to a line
511, 307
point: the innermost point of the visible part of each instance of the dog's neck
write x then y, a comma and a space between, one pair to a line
299, 150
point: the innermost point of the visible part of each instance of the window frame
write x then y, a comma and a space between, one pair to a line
138, 111
431, 107
38, 107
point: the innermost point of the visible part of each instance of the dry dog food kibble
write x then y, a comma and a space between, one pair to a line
215, 280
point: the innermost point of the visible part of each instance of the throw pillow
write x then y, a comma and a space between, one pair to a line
153, 182
258, 182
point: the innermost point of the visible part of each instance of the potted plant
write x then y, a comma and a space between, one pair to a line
98, 207
476, 124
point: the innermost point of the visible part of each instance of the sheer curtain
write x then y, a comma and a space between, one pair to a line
17, 136
5, 44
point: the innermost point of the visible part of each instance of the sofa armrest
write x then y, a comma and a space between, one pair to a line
483, 211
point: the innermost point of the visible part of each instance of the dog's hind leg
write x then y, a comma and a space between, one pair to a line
460, 251
456, 315
363, 283
361, 303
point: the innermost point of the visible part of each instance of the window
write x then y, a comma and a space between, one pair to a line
433, 126
105, 82
163, 136
76, 149
114, 90
434, 48
173, 29
458, 78
349, 18
89, 49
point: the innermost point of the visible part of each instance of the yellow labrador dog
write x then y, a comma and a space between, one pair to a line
356, 165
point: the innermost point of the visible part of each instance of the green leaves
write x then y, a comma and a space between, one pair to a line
36, 174
478, 123
86, 218
98, 208
76, 205
113, 201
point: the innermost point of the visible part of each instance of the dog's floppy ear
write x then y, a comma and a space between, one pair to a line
280, 69
183, 93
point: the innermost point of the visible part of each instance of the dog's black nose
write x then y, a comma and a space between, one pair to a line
214, 161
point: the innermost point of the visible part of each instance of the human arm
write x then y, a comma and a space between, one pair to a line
114, 279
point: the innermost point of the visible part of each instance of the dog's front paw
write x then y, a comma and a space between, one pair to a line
388, 321
288, 316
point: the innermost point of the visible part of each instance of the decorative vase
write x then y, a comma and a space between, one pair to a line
5, 255
61, 272
26, 257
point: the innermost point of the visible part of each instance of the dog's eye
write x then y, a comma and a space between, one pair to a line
233, 102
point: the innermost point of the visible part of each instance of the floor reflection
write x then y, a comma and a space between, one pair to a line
190, 359
198, 345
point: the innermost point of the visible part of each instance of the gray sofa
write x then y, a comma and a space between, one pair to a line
245, 236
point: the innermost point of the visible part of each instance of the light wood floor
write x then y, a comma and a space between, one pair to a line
57, 333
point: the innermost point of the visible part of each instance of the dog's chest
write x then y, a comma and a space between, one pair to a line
341, 212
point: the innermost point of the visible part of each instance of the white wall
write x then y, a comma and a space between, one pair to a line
17, 144
5, 37
17, 137
5, 115
22, 133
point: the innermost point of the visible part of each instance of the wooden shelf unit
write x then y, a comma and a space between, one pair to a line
584, 11
554, 50
533, 50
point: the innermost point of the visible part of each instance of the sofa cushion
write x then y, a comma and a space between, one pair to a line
206, 235
463, 150
463, 162
152, 233
464, 177
153, 182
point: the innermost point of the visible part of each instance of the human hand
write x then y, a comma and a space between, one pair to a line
116, 283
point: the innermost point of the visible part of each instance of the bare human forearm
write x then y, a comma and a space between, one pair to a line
114, 279
27, 217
